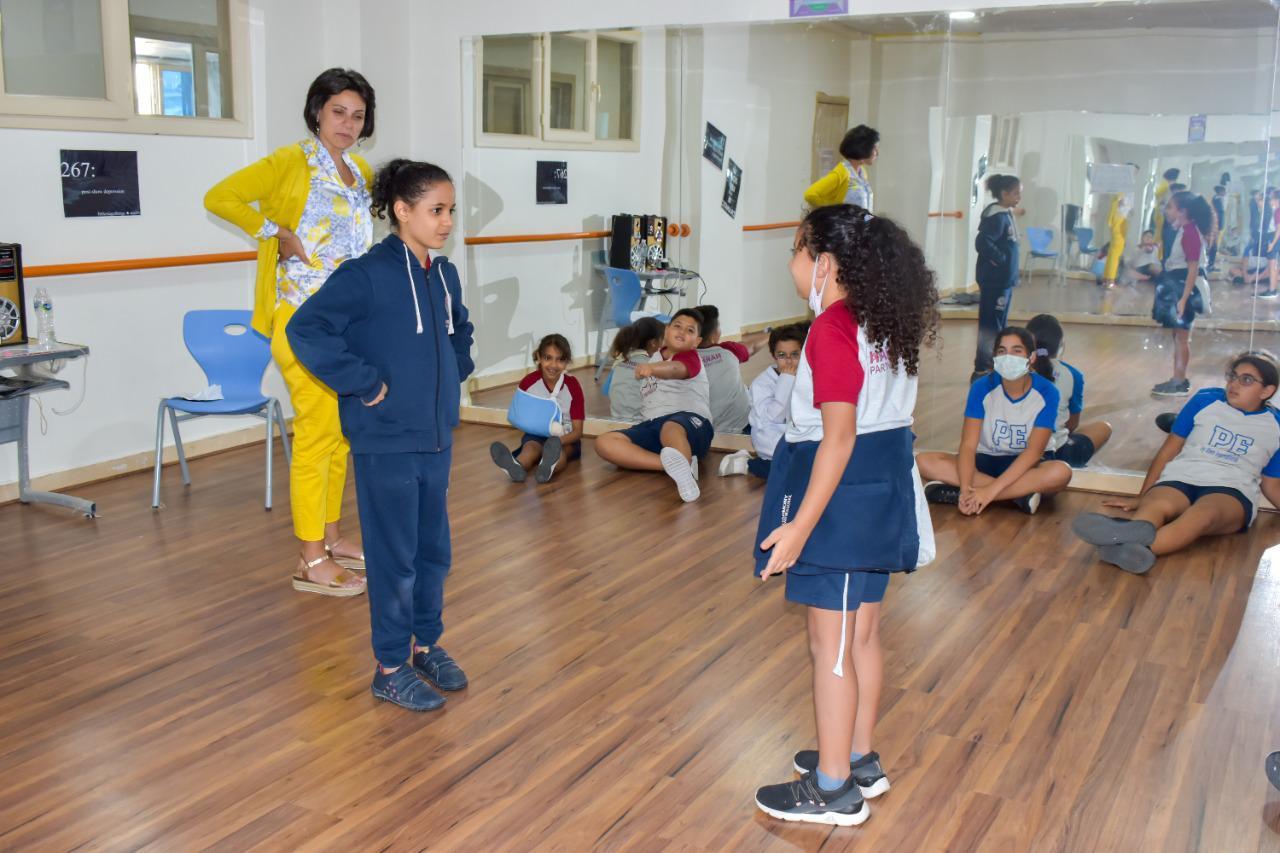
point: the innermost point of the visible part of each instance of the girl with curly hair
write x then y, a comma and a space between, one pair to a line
844, 506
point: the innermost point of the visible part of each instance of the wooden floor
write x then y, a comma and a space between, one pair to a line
163, 688
1120, 364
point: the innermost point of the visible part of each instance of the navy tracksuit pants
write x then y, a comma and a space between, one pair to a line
404, 521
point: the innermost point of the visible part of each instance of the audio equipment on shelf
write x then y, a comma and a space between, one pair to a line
13, 303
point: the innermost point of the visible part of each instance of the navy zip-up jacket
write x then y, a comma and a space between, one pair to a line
997, 245
360, 329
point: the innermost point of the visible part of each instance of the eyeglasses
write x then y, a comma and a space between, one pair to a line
787, 356
1245, 379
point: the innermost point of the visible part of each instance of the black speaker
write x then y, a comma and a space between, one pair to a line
627, 243
13, 303
655, 241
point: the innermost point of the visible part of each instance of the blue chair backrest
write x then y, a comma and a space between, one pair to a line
228, 350
1084, 237
624, 294
1040, 238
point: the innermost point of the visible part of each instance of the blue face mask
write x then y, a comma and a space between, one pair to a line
1012, 367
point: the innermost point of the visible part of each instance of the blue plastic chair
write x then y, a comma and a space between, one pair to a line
621, 308
1084, 241
234, 356
1038, 240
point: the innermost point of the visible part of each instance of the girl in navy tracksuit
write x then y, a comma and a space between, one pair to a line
997, 267
389, 334
844, 506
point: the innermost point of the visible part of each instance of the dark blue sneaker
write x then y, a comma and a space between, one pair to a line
441, 670
404, 688
805, 801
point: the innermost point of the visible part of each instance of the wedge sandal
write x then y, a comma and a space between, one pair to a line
335, 588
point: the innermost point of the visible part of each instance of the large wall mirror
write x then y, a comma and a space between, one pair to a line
1089, 106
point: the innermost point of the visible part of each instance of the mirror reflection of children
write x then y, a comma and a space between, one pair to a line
1145, 265
723, 360
1118, 224
1271, 218
676, 431
1009, 420
844, 508
632, 346
770, 403
1221, 456
997, 267
848, 182
389, 334
1072, 442
1182, 290
548, 454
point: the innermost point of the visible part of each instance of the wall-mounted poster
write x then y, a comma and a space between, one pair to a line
100, 183
732, 184
553, 182
1196, 126
713, 143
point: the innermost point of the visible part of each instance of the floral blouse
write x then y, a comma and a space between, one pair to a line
336, 225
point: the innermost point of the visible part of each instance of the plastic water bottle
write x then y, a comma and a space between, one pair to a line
44, 319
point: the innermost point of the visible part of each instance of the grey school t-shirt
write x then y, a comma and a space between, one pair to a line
667, 396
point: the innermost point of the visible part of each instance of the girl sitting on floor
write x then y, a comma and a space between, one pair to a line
551, 381
1221, 456
631, 346
1008, 423
1073, 442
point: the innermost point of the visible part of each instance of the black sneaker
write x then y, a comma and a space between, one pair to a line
441, 670
938, 492
1273, 768
551, 450
803, 800
503, 458
1164, 421
1028, 503
866, 771
404, 688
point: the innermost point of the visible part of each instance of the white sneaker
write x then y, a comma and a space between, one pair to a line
682, 471
734, 463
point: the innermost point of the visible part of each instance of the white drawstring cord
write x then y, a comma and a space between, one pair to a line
844, 612
448, 304
409, 272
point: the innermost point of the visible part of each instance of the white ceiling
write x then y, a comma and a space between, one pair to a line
1179, 14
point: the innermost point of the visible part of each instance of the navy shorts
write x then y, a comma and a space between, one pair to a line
1076, 451
571, 452
1194, 493
647, 435
1169, 289
824, 590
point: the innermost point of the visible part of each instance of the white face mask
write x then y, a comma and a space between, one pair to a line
815, 295
1012, 367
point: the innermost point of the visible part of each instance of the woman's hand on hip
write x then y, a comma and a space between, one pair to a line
291, 246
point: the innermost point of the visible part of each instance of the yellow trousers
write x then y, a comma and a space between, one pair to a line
318, 473
1119, 225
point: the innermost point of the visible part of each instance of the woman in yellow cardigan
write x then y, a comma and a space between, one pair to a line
312, 214
848, 183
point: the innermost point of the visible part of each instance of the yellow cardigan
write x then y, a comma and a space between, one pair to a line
279, 183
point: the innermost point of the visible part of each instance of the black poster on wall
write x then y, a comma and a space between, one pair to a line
713, 145
100, 183
732, 186
553, 182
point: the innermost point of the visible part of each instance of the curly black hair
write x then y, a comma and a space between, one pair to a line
888, 287
403, 180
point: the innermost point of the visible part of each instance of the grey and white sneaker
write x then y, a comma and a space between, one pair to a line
734, 463
503, 458
1028, 503
867, 772
803, 800
682, 471
1133, 558
1172, 388
1098, 529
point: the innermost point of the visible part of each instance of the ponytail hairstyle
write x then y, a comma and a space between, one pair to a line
636, 336
1265, 363
1196, 209
888, 287
403, 180
1000, 184
1047, 332
556, 341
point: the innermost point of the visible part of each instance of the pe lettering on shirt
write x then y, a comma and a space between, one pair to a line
1233, 442
1012, 435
